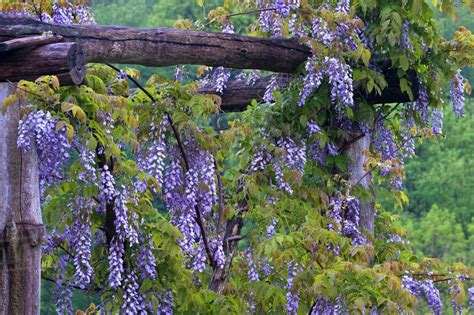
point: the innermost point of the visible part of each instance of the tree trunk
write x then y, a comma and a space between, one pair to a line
21, 228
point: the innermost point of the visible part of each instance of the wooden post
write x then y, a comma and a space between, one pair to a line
21, 225
358, 175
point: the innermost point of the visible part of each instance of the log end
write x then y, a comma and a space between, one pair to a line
77, 64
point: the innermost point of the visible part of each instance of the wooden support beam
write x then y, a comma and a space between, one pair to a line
238, 94
23, 42
65, 60
164, 47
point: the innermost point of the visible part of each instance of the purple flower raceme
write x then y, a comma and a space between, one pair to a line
343, 6
405, 41
220, 77
384, 141
457, 94
133, 302
252, 77
315, 150
116, 252
272, 87
123, 223
426, 288
324, 306
292, 296
455, 290
437, 121
340, 78
63, 290
271, 228
421, 105
147, 261
81, 240
69, 14
471, 297
87, 161
38, 128
153, 161
252, 272
107, 188
408, 142
218, 252
165, 306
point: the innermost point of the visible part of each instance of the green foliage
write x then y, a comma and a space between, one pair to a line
438, 235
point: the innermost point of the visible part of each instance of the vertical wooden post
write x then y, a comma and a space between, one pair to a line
358, 175
21, 225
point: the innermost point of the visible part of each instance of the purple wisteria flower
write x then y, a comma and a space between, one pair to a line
107, 188
69, 14
324, 306
133, 302
252, 272
437, 121
273, 85
220, 77
424, 288
166, 305
292, 296
38, 129
123, 226
116, 252
457, 94
153, 161
147, 261
63, 290
80, 240
421, 105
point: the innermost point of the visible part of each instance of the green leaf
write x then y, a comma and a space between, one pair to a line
404, 63
7, 102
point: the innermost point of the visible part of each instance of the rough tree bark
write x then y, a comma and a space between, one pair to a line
21, 226
65, 60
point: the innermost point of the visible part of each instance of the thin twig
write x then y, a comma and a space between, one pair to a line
250, 12
72, 286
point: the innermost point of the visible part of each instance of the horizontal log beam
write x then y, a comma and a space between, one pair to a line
65, 60
23, 42
164, 47
238, 94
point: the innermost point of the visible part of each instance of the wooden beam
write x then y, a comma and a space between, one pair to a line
65, 60
164, 47
238, 94
23, 42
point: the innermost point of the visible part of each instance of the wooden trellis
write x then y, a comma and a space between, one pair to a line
26, 53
